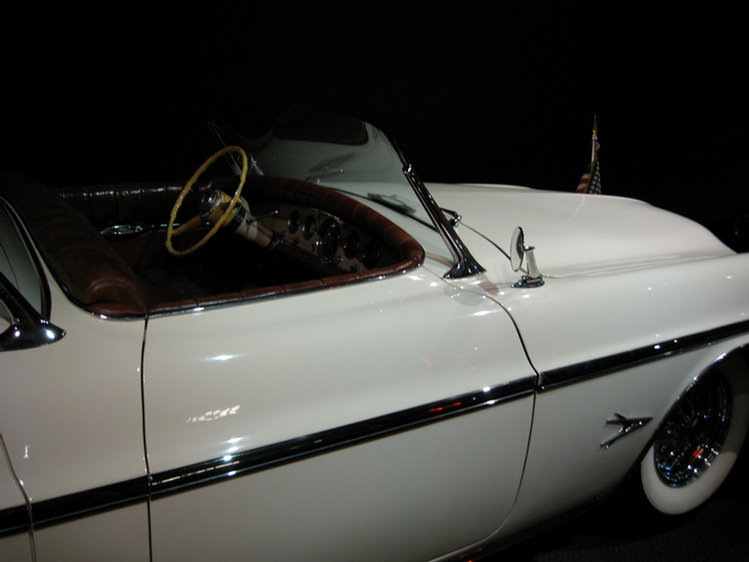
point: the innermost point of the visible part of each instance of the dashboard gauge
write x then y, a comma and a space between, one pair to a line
351, 245
371, 254
329, 238
294, 221
310, 227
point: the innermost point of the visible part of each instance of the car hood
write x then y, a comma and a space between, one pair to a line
578, 234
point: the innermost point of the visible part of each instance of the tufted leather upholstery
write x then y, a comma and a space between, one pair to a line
85, 265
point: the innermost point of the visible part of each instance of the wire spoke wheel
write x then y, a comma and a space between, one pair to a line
694, 432
699, 439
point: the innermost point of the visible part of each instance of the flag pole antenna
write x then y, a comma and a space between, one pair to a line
590, 182
594, 141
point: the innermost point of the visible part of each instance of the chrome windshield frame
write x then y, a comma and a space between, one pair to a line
465, 264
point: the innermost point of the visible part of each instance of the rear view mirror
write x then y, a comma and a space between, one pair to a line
519, 252
517, 249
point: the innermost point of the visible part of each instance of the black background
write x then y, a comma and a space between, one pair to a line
503, 95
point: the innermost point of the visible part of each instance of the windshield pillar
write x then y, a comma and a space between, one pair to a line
465, 264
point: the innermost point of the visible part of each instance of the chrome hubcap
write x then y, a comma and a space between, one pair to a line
694, 431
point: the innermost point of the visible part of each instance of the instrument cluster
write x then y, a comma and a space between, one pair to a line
328, 238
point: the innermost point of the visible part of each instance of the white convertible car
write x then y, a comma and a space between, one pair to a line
310, 356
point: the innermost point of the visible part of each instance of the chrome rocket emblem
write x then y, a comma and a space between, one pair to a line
628, 425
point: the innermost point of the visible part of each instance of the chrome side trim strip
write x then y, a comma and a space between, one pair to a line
81, 504
72, 506
14, 520
580, 372
50, 512
200, 474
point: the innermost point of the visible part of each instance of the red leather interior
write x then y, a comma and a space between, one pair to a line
85, 265
65, 226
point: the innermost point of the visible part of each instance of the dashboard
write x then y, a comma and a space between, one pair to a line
315, 235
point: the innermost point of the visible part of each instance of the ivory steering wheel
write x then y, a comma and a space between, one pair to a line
194, 222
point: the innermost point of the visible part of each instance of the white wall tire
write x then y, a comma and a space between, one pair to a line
699, 441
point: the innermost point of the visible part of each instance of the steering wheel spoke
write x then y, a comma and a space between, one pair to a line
191, 224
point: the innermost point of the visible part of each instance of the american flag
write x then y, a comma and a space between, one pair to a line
591, 180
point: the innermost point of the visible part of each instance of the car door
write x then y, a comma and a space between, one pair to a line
382, 420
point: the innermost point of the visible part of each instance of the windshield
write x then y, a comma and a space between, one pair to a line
18, 268
347, 155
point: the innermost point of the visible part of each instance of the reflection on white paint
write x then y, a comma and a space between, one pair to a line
214, 415
221, 357
482, 312
233, 448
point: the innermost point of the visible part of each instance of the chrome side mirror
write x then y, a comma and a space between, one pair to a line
27, 327
519, 252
